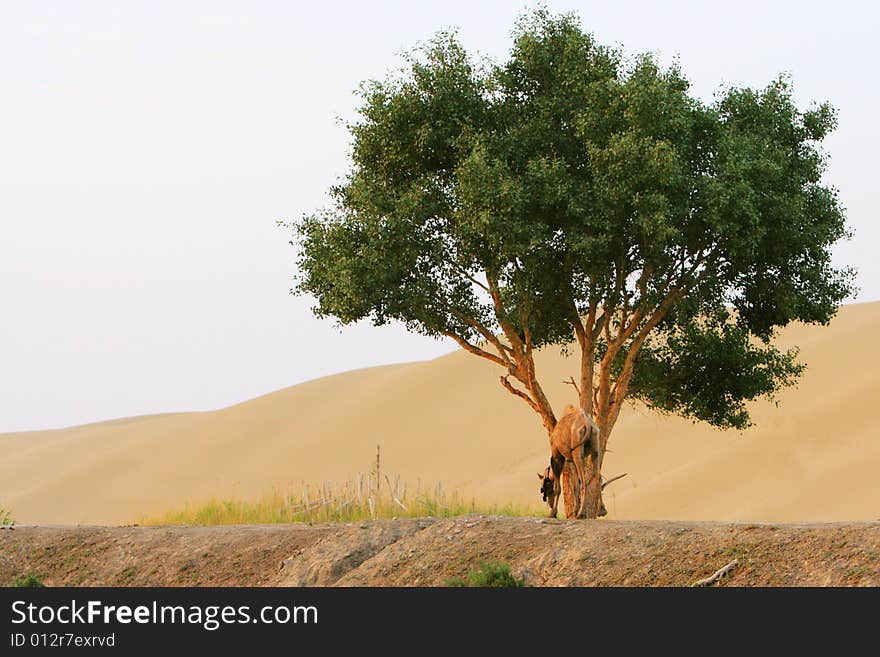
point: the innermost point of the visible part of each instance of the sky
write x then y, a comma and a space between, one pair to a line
147, 150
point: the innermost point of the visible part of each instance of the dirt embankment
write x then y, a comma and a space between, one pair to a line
426, 552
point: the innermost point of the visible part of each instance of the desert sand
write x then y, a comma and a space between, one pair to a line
813, 457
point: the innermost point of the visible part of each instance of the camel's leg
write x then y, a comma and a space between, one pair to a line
557, 493
557, 489
557, 462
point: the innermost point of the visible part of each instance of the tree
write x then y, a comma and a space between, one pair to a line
575, 198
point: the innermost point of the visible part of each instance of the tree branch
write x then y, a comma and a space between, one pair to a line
618, 392
522, 355
718, 574
467, 346
519, 393
464, 272
502, 349
527, 334
600, 325
613, 400
500, 314
612, 480
585, 342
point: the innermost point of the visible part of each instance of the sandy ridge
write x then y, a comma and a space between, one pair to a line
814, 457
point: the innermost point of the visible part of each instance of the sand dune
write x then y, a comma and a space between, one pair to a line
815, 457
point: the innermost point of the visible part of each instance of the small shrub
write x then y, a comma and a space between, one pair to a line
28, 582
6, 518
489, 574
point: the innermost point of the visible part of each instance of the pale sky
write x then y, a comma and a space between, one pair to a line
148, 148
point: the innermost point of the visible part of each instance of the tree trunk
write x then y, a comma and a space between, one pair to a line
571, 495
594, 507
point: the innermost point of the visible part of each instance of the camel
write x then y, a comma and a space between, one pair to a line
575, 433
551, 489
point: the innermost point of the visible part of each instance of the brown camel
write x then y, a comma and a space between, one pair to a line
551, 489
575, 433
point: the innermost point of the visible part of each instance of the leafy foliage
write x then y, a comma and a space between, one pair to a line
518, 198
707, 370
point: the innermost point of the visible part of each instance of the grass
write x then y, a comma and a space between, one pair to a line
354, 500
126, 575
27, 582
494, 574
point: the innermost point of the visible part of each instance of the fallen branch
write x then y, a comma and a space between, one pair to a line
718, 574
613, 479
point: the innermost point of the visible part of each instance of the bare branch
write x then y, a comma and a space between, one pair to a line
509, 332
622, 384
600, 325
626, 331
647, 270
467, 346
576, 323
524, 371
718, 574
519, 393
502, 349
591, 313
585, 393
613, 479
464, 272
572, 383
527, 334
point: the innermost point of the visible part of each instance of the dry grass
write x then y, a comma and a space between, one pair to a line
366, 497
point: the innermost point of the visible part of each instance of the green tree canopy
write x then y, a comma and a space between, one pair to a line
572, 193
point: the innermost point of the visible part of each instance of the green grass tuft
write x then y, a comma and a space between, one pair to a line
494, 574
27, 582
